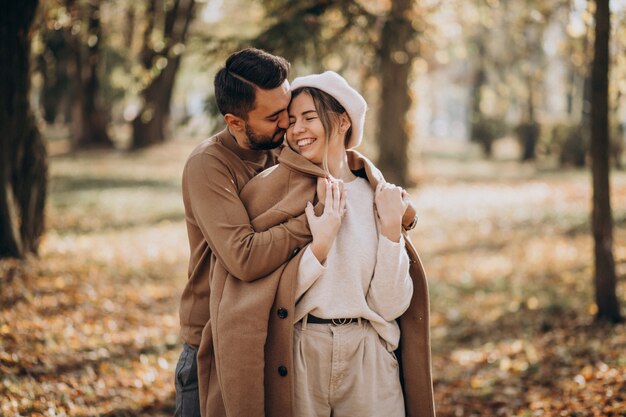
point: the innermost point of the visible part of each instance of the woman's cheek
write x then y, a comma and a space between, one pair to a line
291, 142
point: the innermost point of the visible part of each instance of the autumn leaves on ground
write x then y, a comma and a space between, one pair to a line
91, 328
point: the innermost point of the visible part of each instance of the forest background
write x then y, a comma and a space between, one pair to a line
505, 119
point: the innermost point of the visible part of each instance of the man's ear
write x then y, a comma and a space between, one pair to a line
235, 123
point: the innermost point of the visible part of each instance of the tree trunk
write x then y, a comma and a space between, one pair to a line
529, 129
23, 166
479, 79
89, 117
585, 100
53, 65
616, 134
149, 127
129, 27
75, 69
602, 220
96, 118
396, 58
571, 90
528, 132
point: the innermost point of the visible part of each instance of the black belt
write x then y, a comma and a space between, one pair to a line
337, 322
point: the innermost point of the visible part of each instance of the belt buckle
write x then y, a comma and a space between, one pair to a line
341, 322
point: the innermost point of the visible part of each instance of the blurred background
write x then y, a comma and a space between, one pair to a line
505, 120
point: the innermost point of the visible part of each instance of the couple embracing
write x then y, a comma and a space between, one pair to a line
305, 295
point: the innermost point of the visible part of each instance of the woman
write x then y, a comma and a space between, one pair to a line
357, 287
364, 287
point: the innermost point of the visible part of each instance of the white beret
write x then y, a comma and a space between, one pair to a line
334, 84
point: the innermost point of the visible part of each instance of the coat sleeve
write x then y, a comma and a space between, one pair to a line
391, 287
213, 198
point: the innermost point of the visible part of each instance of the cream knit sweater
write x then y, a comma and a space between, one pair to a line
365, 274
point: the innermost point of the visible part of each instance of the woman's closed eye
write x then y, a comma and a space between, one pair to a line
307, 119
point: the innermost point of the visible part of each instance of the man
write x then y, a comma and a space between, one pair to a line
252, 93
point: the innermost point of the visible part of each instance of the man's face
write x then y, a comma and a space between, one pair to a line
268, 121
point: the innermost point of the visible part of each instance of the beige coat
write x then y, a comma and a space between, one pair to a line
247, 343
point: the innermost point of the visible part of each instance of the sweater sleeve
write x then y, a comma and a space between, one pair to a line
391, 287
309, 270
211, 193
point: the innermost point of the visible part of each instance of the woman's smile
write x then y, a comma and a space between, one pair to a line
304, 142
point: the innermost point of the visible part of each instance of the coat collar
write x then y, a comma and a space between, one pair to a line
298, 163
359, 164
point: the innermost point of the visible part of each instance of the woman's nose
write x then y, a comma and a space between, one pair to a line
298, 127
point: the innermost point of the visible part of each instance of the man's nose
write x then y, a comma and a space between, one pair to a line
283, 120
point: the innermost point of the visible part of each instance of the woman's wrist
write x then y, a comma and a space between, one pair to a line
391, 230
320, 250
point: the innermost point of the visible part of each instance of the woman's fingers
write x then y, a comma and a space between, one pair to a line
336, 195
342, 203
342, 186
329, 194
406, 196
391, 189
399, 192
310, 213
321, 189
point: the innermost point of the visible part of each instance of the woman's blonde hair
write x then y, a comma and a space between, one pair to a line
329, 110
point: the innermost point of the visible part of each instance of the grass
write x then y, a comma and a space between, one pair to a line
91, 327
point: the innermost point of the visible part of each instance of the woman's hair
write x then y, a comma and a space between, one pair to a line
329, 110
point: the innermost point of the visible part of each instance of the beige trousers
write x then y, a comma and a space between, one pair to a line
344, 371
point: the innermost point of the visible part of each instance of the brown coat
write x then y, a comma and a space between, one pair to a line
247, 316
221, 239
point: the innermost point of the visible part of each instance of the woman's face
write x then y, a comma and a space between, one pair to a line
305, 133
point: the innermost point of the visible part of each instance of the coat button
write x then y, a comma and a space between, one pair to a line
295, 252
282, 313
282, 371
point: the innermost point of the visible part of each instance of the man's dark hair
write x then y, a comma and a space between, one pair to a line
244, 70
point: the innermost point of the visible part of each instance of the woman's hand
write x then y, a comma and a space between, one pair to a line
325, 227
390, 206
321, 186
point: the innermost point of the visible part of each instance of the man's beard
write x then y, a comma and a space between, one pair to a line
263, 143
